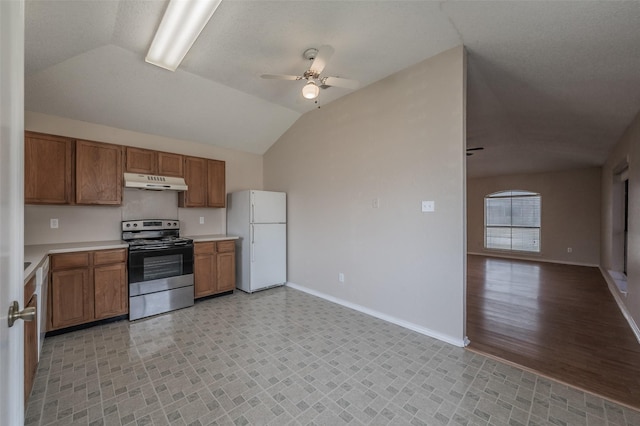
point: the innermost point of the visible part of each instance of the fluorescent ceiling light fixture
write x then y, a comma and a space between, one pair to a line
310, 90
182, 23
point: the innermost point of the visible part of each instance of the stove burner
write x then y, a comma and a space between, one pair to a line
153, 234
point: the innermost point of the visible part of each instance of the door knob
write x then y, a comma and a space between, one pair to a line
27, 314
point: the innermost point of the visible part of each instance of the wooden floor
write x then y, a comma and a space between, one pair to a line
558, 320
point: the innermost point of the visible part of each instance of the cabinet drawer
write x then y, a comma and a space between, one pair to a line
204, 248
226, 246
106, 257
69, 260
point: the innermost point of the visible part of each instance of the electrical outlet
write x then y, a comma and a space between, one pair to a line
569, 250
341, 277
53, 223
428, 206
375, 203
201, 220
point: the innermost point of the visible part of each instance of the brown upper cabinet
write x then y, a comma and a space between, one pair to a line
98, 173
170, 164
195, 175
206, 181
48, 169
141, 161
60, 170
216, 191
146, 161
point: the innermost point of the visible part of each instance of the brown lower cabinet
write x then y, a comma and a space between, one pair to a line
214, 267
87, 286
30, 340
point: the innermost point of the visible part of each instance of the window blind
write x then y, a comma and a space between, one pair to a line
512, 221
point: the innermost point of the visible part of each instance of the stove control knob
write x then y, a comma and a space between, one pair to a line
135, 225
128, 225
175, 224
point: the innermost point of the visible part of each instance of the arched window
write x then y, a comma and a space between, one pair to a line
512, 221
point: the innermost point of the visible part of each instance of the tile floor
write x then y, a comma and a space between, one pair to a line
283, 357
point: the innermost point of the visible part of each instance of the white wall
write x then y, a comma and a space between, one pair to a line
627, 151
570, 213
98, 223
400, 140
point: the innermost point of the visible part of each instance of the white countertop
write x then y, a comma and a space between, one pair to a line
36, 254
212, 237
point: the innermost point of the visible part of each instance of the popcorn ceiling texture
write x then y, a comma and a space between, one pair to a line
551, 85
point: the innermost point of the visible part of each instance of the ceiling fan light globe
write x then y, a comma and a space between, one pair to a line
310, 90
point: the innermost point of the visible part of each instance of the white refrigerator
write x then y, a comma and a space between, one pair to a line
259, 218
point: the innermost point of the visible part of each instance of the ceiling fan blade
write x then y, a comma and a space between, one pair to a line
281, 77
341, 82
324, 53
480, 148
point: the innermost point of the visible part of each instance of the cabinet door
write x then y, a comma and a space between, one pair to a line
142, 161
204, 274
195, 175
47, 169
216, 190
226, 263
71, 302
30, 349
170, 164
110, 291
98, 173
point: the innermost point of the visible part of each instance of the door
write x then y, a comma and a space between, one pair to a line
98, 173
195, 175
268, 255
216, 186
11, 209
47, 177
268, 207
71, 302
110, 292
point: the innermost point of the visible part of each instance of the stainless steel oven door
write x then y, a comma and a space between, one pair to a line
155, 264
160, 280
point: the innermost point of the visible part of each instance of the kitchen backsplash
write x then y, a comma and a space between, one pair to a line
98, 223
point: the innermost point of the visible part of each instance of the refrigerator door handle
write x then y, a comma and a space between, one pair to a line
253, 212
253, 253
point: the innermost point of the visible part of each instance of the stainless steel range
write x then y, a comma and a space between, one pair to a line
160, 267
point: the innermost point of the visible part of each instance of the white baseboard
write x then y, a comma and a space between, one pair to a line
402, 323
613, 288
534, 259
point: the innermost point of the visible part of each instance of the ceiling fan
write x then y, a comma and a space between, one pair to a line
479, 148
315, 82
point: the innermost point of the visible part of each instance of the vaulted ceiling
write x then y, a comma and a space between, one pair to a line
551, 84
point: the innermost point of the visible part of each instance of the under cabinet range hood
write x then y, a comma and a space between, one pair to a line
154, 183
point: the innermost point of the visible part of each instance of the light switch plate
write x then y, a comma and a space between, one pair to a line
428, 206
